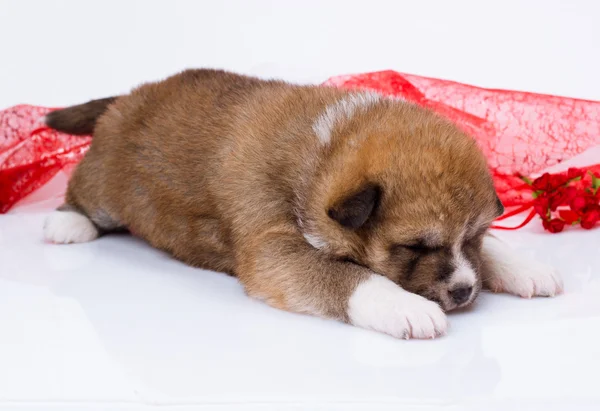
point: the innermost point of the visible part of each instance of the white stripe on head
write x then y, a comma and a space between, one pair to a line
341, 111
463, 272
316, 241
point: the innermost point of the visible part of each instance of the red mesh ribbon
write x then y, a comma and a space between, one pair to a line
520, 133
31, 155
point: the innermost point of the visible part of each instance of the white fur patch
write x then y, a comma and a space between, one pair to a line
515, 274
63, 227
381, 305
464, 272
316, 241
342, 111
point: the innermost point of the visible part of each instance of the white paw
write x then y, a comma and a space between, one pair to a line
381, 305
63, 227
516, 274
528, 280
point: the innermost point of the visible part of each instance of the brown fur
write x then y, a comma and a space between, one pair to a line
225, 172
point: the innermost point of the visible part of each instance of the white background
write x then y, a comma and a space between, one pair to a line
114, 324
57, 52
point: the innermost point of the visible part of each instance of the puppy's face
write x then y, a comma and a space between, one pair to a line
410, 197
430, 245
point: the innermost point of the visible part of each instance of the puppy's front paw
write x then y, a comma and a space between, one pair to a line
515, 274
381, 305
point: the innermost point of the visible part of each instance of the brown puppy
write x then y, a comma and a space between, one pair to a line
345, 205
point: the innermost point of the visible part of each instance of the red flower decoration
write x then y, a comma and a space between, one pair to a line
562, 195
542, 183
568, 198
589, 219
569, 216
558, 180
575, 174
541, 205
578, 203
590, 200
555, 225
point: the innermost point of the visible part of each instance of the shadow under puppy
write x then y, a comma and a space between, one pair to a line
340, 204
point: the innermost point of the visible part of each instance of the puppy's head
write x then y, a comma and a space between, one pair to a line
406, 194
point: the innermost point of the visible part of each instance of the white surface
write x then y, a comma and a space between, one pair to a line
114, 324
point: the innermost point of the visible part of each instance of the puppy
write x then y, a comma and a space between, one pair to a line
340, 204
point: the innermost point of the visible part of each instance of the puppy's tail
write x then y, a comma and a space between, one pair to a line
78, 120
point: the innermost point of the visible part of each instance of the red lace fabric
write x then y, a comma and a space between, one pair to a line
520, 133
29, 155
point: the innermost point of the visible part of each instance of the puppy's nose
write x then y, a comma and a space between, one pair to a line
461, 294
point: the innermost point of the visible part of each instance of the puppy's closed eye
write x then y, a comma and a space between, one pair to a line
418, 248
347, 259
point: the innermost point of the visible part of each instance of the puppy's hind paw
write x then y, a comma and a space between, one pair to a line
63, 227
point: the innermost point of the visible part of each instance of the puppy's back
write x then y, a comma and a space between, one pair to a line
197, 147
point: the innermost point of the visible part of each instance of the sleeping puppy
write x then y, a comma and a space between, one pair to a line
340, 204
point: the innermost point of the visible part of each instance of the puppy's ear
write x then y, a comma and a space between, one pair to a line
355, 209
499, 207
